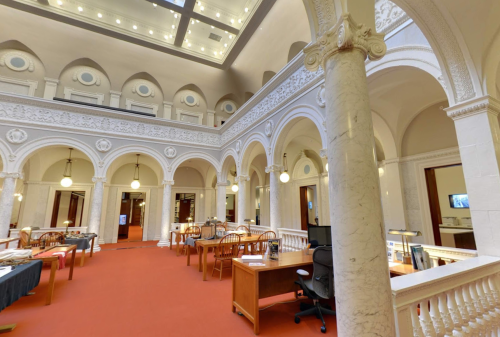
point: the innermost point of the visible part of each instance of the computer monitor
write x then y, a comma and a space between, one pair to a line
319, 236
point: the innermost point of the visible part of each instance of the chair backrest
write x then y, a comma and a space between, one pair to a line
322, 280
52, 238
192, 231
225, 224
229, 246
242, 228
23, 238
262, 242
220, 227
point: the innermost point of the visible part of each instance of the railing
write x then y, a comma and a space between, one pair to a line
254, 229
35, 234
437, 253
459, 299
292, 239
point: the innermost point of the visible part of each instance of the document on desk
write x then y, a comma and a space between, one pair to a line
5, 270
251, 258
256, 264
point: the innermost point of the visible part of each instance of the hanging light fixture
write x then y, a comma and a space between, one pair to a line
135, 183
285, 177
67, 181
235, 186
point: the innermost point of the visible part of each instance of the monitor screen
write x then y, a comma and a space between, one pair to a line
459, 201
319, 235
123, 219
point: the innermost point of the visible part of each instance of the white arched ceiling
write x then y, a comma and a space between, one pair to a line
195, 156
229, 159
130, 159
397, 94
383, 133
251, 150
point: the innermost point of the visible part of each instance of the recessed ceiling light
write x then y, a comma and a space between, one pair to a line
230, 36
189, 32
134, 26
212, 27
118, 21
189, 44
192, 22
217, 15
239, 20
166, 37
215, 53
220, 52
151, 32
99, 15
225, 45
80, 9
246, 9
175, 15
202, 8
154, 5
202, 49
60, 3
173, 26
232, 20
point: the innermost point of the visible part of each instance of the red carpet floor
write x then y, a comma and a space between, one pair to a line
129, 291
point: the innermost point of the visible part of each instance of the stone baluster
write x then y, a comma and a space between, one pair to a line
490, 309
489, 292
425, 320
471, 309
482, 315
456, 317
434, 261
447, 260
436, 317
492, 281
415, 321
445, 314
464, 312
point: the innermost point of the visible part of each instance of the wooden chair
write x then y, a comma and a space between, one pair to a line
52, 238
227, 250
220, 227
189, 232
260, 247
242, 228
23, 238
225, 224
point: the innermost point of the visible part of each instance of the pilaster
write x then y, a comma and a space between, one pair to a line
167, 109
114, 98
210, 118
50, 88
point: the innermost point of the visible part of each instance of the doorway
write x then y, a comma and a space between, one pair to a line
449, 207
131, 218
68, 209
308, 207
185, 207
230, 208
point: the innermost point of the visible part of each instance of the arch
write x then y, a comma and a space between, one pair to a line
285, 123
195, 88
231, 97
491, 72
15, 44
267, 76
131, 149
420, 57
295, 49
384, 134
28, 149
261, 177
87, 62
248, 146
191, 155
143, 76
226, 162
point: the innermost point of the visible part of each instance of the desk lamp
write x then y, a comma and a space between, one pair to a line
28, 230
67, 223
405, 234
189, 219
249, 222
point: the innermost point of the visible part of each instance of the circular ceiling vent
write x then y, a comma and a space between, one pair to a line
17, 61
190, 100
228, 107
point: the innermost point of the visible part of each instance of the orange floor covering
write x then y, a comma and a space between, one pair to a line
126, 291
134, 234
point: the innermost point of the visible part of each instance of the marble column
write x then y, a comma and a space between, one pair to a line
96, 209
392, 194
7, 201
478, 134
275, 196
221, 201
361, 271
166, 214
242, 198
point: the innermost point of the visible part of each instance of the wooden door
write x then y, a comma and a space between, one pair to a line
124, 209
304, 210
184, 210
73, 206
432, 191
55, 209
136, 212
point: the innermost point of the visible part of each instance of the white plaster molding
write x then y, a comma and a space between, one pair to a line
196, 100
136, 106
170, 152
135, 90
473, 107
16, 136
103, 145
196, 114
6, 59
269, 128
15, 83
223, 107
15, 175
77, 76
274, 168
320, 96
323, 153
388, 16
51, 80
167, 182
99, 179
238, 146
69, 92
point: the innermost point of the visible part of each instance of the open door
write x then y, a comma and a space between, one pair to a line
304, 211
432, 191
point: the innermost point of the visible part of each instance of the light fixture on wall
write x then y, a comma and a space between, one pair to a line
19, 196
285, 177
135, 183
67, 181
326, 167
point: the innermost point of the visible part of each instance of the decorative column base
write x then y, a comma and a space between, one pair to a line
162, 244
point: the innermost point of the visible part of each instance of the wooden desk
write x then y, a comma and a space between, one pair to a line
202, 247
401, 269
178, 235
54, 249
82, 258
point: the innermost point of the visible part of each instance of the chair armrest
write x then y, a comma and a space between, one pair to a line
302, 272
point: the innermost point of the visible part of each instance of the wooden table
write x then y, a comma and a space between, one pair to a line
401, 269
82, 258
202, 247
54, 263
178, 235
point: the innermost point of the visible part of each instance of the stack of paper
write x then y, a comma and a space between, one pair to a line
251, 258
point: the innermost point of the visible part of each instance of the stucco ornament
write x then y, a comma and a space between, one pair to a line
238, 146
17, 136
103, 145
345, 35
320, 97
269, 128
170, 152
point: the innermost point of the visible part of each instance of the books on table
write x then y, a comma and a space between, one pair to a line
252, 258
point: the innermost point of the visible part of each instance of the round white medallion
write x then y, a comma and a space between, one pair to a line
17, 61
143, 89
170, 152
190, 100
17, 136
228, 107
103, 145
86, 76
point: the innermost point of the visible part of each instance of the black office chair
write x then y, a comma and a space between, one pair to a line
319, 286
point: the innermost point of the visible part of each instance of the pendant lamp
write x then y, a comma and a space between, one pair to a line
67, 181
285, 177
135, 183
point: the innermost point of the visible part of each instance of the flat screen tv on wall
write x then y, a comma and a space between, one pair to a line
459, 201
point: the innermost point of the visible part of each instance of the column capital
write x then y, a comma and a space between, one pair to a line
168, 182
99, 179
222, 183
473, 107
345, 35
396, 160
274, 168
15, 175
51, 80
323, 153
241, 178
211, 112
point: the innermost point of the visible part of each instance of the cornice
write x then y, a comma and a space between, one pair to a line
452, 151
474, 107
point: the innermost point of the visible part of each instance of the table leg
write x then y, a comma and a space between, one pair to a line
7, 328
178, 241
188, 253
200, 253
205, 251
92, 247
171, 242
82, 258
256, 311
52, 279
245, 248
72, 264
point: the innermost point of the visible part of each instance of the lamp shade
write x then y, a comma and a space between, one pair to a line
235, 187
404, 232
66, 182
284, 177
135, 184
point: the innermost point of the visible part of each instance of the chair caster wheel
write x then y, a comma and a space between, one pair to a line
323, 329
240, 313
297, 320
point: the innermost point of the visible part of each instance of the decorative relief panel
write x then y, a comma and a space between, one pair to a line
269, 128
388, 16
17, 136
320, 97
190, 100
170, 152
238, 146
17, 61
103, 145
143, 89
87, 76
